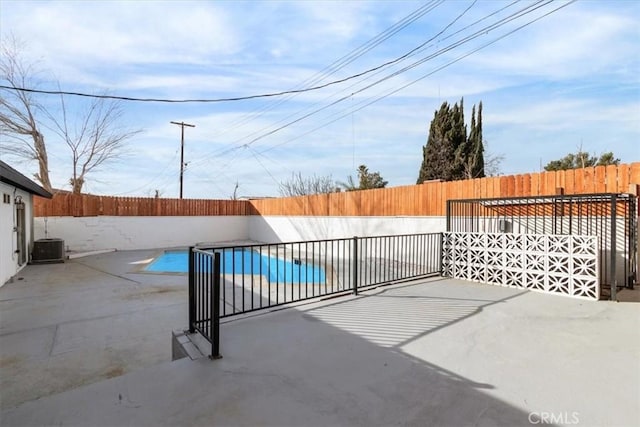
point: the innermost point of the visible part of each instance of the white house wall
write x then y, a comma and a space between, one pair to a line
8, 234
126, 232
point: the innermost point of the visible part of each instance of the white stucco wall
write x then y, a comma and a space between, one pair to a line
8, 235
144, 232
296, 228
127, 233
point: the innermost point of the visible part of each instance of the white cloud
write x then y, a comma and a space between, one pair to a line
564, 114
576, 41
124, 32
572, 76
336, 20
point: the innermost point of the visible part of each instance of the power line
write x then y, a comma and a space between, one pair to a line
458, 59
211, 100
491, 27
155, 178
448, 48
263, 166
377, 69
340, 62
209, 180
217, 100
485, 30
344, 60
411, 53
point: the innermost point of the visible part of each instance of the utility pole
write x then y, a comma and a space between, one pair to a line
182, 125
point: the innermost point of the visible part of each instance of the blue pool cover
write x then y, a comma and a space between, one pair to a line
245, 261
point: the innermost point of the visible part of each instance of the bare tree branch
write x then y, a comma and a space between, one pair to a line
20, 135
492, 161
93, 134
96, 140
298, 185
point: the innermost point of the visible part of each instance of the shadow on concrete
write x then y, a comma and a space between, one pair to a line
289, 368
396, 316
381, 358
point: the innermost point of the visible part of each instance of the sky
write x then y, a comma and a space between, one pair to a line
549, 85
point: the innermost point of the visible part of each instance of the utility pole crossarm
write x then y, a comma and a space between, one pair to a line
182, 125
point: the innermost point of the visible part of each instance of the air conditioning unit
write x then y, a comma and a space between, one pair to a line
47, 251
505, 226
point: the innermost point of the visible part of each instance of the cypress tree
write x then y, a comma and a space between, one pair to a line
449, 154
474, 160
459, 143
437, 153
477, 168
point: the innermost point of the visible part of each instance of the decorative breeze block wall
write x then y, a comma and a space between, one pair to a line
557, 264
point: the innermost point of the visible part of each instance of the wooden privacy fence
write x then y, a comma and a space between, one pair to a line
428, 199
431, 198
89, 205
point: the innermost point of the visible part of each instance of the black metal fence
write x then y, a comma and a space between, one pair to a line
204, 296
610, 217
246, 278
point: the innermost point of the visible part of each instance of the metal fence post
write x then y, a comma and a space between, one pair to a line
613, 243
215, 308
440, 252
192, 305
632, 225
355, 265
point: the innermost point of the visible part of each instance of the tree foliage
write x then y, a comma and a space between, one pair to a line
446, 134
299, 185
472, 158
581, 159
366, 180
449, 153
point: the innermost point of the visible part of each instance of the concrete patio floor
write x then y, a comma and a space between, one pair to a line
89, 319
431, 352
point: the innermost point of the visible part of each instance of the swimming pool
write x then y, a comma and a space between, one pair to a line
245, 261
